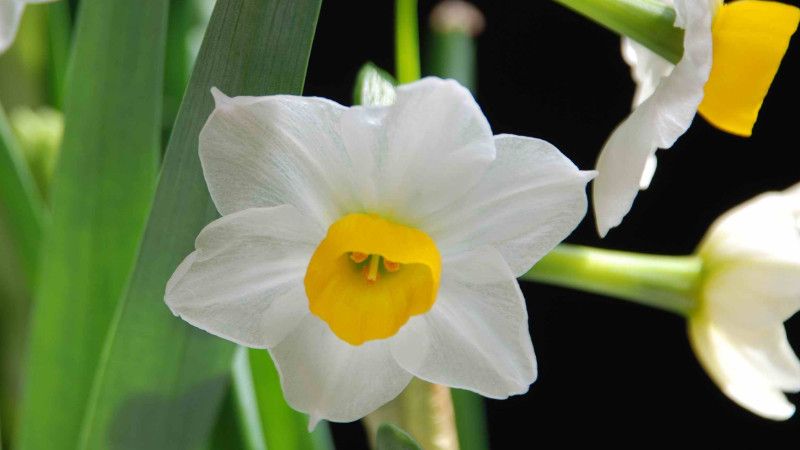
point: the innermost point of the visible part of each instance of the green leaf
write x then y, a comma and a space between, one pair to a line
392, 438
282, 426
59, 30
648, 22
102, 190
20, 201
374, 86
470, 420
161, 381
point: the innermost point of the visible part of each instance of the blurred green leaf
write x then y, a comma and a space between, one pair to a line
374, 86
20, 200
282, 426
102, 190
59, 24
161, 380
648, 22
392, 438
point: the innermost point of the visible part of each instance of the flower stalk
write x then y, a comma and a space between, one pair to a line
648, 22
669, 283
425, 411
406, 41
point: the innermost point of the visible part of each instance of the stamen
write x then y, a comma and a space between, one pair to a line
391, 266
371, 273
365, 271
358, 257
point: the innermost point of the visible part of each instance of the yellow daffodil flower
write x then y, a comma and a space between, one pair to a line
364, 246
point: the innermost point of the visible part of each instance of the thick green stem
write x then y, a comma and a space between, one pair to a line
425, 411
406, 41
649, 22
665, 282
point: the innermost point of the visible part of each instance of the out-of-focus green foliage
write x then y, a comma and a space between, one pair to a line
392, 438
282, 426
102, 190
161, 381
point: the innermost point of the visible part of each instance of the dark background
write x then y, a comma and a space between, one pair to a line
609, 372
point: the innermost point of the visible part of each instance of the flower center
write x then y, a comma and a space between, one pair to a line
369, 276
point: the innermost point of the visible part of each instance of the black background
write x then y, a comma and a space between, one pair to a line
609, 372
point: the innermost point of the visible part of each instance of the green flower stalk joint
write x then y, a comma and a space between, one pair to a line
735, 291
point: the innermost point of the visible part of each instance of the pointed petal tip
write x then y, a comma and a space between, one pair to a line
313, 420
220, 99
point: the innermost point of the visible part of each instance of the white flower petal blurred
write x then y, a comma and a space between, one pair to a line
751, 257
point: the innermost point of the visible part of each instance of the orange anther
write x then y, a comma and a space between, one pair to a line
358, 257
391, 266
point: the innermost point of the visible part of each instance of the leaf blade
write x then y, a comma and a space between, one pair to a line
101, 194
251, 47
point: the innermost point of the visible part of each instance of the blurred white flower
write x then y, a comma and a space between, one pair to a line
10, 16
746, 41
751, 260
366, 245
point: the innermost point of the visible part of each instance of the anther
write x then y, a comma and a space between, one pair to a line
391, 266
358, 257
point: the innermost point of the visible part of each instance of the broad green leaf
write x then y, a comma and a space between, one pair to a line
649, 22
374, 86
101, 194
392, 438
282, 426
161, 381
20, 201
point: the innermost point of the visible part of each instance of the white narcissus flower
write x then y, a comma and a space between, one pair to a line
751, 260
745, 40
10, 16
366, 245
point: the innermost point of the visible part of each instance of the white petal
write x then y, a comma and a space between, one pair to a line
752, 294
658, 122
647, 68
766, 227
245, 281
476, 335
649, 170
10, 15
738, 375
275, 150
438, 145
529, 200
330, 379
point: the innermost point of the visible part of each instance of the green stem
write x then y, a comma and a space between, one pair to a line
649, 22
665, 282
406, 41
424, 410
